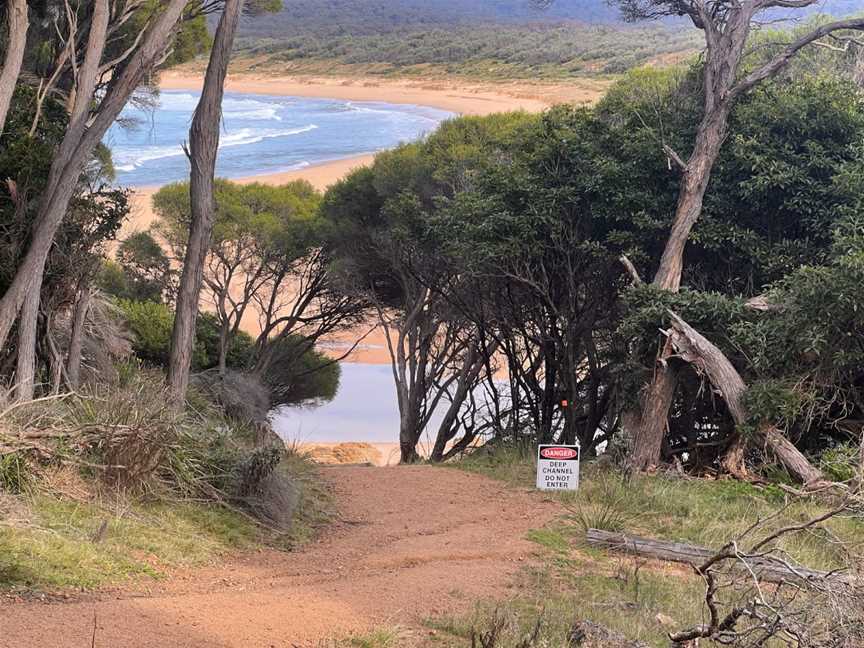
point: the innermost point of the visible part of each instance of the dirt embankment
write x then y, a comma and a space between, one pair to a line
412, 542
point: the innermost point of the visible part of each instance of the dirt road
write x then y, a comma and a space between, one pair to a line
412, 542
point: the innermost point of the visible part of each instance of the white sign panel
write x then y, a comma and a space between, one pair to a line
558, 467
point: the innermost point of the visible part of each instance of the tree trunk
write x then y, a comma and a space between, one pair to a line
661, 392
691, 195
472, 365
203, 148
57, 367
25, 373
691, 346
82, 136
408, 436
723, 57
734, 459
18, 23
788, 455
73, 358
648, 436
224, 335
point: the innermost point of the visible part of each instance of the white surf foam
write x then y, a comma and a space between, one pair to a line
129, 159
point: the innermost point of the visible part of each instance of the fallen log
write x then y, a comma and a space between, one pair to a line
766, 567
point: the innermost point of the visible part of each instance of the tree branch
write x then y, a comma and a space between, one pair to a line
781, 60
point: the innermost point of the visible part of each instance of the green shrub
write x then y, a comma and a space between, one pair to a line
152, 323
240, 351
298, 373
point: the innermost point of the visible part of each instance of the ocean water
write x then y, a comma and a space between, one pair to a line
260, 134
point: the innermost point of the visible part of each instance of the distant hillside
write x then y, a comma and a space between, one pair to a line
480, 38
376, 16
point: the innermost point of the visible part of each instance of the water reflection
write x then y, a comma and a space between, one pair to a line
364, 409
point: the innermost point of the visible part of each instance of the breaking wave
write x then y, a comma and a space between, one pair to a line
130, 159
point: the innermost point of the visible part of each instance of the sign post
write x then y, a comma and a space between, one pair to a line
558, 467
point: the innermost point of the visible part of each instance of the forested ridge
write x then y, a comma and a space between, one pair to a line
490, 39
673, 279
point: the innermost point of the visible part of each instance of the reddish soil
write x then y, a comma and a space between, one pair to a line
412, 542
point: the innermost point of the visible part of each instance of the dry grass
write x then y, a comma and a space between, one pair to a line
642, 600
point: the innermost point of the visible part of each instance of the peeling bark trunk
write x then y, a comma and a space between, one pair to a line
18, 23
648, 436
25, 373
73, 358
692, 347
203, 148
77, 147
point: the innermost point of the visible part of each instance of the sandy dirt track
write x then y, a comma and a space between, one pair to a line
411, 542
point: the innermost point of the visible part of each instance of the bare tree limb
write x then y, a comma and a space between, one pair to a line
782, 59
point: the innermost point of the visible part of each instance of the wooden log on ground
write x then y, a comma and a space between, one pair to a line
768, 568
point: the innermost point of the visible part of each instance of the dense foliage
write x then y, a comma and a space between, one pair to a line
511, 229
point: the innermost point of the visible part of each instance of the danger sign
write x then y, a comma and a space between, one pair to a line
558, 467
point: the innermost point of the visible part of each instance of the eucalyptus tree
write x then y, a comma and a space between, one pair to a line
727, 26
203, 147
98, 66
267, 265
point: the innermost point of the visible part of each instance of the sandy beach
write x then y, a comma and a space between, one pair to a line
458, 96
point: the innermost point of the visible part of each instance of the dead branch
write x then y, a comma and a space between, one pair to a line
631, 269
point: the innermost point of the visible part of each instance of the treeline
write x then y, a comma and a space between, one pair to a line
508, 51
381, 16
494, 252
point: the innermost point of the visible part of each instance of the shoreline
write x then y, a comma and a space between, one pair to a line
462, 101
465, 101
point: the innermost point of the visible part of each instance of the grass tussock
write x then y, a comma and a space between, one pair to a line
111, 483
